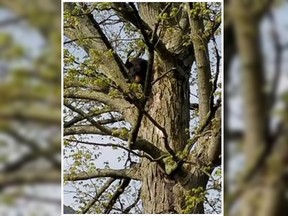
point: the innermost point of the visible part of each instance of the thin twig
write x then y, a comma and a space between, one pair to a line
214, 86
128, 209
89, 118
105, 145
109, 145
163, 75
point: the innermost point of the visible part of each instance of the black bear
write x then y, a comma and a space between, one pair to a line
137, 68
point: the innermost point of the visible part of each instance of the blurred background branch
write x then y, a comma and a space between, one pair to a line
256, 143
30, 107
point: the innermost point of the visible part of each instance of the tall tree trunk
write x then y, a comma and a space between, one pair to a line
170, 108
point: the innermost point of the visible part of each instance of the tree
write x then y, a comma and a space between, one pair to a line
171, 146
262, 181
30, 107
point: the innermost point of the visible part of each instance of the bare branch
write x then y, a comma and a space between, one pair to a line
98, 194
214, 85
152, 153
116, 195
108, 145
128, 209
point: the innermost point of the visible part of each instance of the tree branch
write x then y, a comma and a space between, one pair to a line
98, 194
31, 156
214, 85
116, 103
200, 129
128, 209
200, 45
80, 117
123, 10
107, 145
113, 68
116, 195
194, 106
26, 177
105, 130
36, 151
132, 173
46, 116
82, 129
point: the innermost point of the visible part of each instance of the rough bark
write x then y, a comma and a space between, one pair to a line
169, 100
169, 107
